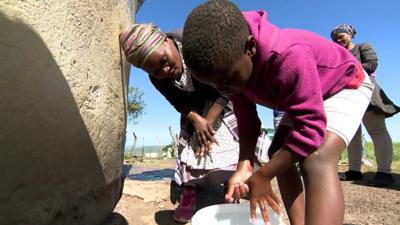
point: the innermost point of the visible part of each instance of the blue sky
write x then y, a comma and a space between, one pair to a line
377, 23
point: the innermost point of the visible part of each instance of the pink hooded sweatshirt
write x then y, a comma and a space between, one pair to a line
294, 71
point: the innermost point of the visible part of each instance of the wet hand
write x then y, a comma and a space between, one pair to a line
237, 188
261, 195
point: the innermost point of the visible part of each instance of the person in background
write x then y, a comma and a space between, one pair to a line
380, 108
313, 80
208, 141
278, 115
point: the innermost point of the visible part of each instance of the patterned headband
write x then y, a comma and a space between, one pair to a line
140, 40
344, 28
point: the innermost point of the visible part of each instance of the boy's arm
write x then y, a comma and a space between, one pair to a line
249, 125
236, 189
259, 183
247, 143
282, 160
249, 129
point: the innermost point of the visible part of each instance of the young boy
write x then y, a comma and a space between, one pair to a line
320, 86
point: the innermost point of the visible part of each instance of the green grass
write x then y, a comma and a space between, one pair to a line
369, 151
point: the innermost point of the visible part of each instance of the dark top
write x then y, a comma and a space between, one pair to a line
380, 102
200, 100
367, 56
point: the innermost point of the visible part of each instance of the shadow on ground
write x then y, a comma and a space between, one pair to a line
370, 175
115, 219
147, 173
164, 217
207, 195
153, 175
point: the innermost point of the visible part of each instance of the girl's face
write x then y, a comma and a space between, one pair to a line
343, 39
164, 62
231, 79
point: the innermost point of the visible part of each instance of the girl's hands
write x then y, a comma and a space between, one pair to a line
204, 133
261, 194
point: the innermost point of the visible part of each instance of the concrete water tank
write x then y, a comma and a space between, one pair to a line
63, 85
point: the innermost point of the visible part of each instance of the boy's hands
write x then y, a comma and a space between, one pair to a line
244, 181
237, 188
204, 133
261, 194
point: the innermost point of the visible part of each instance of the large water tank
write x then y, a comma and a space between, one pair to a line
63, 83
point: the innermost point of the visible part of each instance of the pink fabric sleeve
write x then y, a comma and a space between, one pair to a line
246, 114
301, 98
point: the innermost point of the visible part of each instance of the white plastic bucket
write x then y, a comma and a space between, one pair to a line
232, 214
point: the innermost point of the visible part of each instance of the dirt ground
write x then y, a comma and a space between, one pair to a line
146, 198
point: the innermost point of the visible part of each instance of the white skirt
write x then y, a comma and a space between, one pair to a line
225, 154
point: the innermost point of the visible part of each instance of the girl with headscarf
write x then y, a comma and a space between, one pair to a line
380, 108
208, 141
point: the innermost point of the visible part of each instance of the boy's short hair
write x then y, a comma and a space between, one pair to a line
214, 32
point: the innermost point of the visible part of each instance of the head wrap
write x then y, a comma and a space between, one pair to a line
344, 28
140, 40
